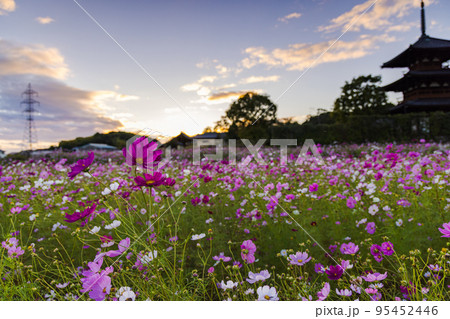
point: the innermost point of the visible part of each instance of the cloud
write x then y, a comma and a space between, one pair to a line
44, 20
257, 79
293, 15
65, 112
379, 17
7, 6
198, 85
300, 56
220, 96
31, 59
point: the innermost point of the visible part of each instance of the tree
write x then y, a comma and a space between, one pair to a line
363, 95
251, 116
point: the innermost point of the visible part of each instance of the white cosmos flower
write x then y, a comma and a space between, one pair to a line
106, 191
94, 230
399, 222
229, 285
149, 257
32, 217
197, 237
125, 294
113, 225
267, 293
373, 209
114, 186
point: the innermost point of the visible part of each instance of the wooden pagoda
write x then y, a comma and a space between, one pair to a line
426, 87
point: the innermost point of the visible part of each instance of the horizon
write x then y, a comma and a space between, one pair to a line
176, 67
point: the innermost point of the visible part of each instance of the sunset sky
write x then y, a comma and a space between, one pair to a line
172, 66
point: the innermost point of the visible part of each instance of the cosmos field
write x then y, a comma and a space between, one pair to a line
369, 222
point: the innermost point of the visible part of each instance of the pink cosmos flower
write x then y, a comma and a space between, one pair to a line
349, 249
346, 264
222, 257
324, 292
10, 243
15, 252
319, 268
445, 230
371, 291
378, 258
123, 246
81, 165
299, 259
248, 249
344, 292
351, 202
149, 180
142, 153
261, 276
374, 277
371, 227
16, 210
98, 285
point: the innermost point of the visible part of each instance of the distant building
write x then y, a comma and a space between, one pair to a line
2, 154
180, 140
183, 139
95, 147
426, 87
210, 135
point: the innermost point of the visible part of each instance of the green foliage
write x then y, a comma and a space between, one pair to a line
117, 139
362, 95
249, 117
369, 128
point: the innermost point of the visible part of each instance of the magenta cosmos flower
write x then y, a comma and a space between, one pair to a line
375, 250
313, 187
446, 230
149, 180
79, 215
299, 259
334, 272
349, 249
248, 249
142, 153
374, 277
81, 165
387, 248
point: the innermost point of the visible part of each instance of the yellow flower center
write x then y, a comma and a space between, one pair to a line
150, 182
267, 297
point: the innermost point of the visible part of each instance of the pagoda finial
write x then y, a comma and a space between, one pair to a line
423, 18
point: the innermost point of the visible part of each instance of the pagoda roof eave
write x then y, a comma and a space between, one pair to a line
402, 83
425, 43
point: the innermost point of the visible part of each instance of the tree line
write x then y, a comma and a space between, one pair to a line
360, 114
